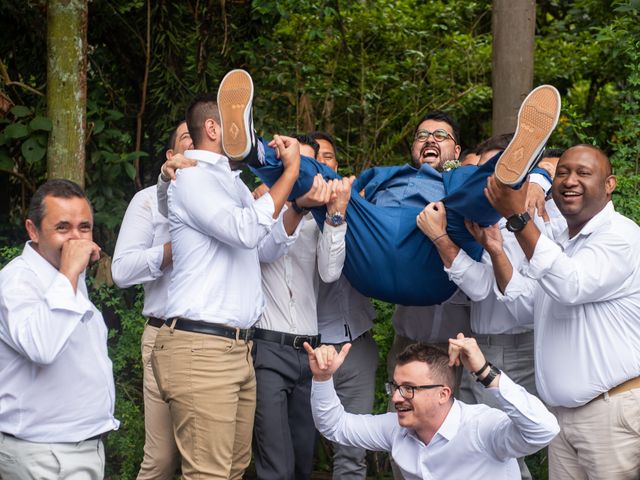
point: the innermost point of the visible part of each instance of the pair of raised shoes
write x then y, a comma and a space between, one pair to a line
537, 118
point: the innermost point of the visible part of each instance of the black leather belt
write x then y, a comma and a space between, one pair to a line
155, 322
216, 329
289, 339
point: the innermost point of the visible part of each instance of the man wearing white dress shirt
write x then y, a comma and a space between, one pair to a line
432, 435
202, 355
345, 315
584, 296
143, 256
283, 432
56, 382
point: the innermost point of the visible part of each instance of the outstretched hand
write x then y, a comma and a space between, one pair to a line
319, 194
325, 360
489, 237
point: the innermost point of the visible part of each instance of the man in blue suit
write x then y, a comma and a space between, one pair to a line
387, 256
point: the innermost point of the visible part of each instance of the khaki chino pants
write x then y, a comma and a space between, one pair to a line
599, 440
160, 450
210, 386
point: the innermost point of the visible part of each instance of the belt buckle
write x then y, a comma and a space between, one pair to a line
304, 338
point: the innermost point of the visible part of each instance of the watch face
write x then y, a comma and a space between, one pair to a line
336, 219
515, 223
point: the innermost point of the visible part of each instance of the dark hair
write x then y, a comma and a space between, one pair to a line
552, 152
441, 116
171, 141
436, 358
201, 109
497, 142
306, 139
318, 135
58, 188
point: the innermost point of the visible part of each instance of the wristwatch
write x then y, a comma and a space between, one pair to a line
493, 373
517, 222
336, 218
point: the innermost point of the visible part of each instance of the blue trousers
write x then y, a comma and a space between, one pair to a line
388, 257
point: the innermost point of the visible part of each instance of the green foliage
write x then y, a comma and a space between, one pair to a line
124, 449
364, 71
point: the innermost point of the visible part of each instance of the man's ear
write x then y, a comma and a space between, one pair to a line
445, 394
32, 230
211, 128
458, 151
610, 184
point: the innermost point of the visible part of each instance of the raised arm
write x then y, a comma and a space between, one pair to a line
372, 432
527, 426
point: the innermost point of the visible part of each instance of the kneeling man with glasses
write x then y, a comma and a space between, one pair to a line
433, 435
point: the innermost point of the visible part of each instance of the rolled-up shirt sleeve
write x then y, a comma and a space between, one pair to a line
277, 242
331, 252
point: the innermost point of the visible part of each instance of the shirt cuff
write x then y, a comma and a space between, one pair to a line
459, 266
335, 234
154, 257
60, 296
280, 234
544, 256
540, 179
517, 286
265, 208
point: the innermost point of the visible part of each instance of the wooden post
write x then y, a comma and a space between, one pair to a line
67, 88
513, 26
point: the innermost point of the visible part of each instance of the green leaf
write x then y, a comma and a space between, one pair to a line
33, 152
20, 111
16, 130
41, 123
98, 126
131, 171
6, 163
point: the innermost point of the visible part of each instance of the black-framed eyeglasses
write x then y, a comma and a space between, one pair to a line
439, 135
407, 391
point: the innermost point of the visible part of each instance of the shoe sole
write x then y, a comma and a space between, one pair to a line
234, 102
537, 118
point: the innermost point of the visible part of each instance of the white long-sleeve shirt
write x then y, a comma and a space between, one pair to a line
56, 379
489, 316
473, 442
140, 250
290, 284
216, 230
584, 295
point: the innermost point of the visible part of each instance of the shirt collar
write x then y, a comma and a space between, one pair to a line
451, 424
207, 157
599, 219
44, 270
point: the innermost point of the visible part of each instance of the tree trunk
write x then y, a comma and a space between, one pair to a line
67, 88
513, 26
